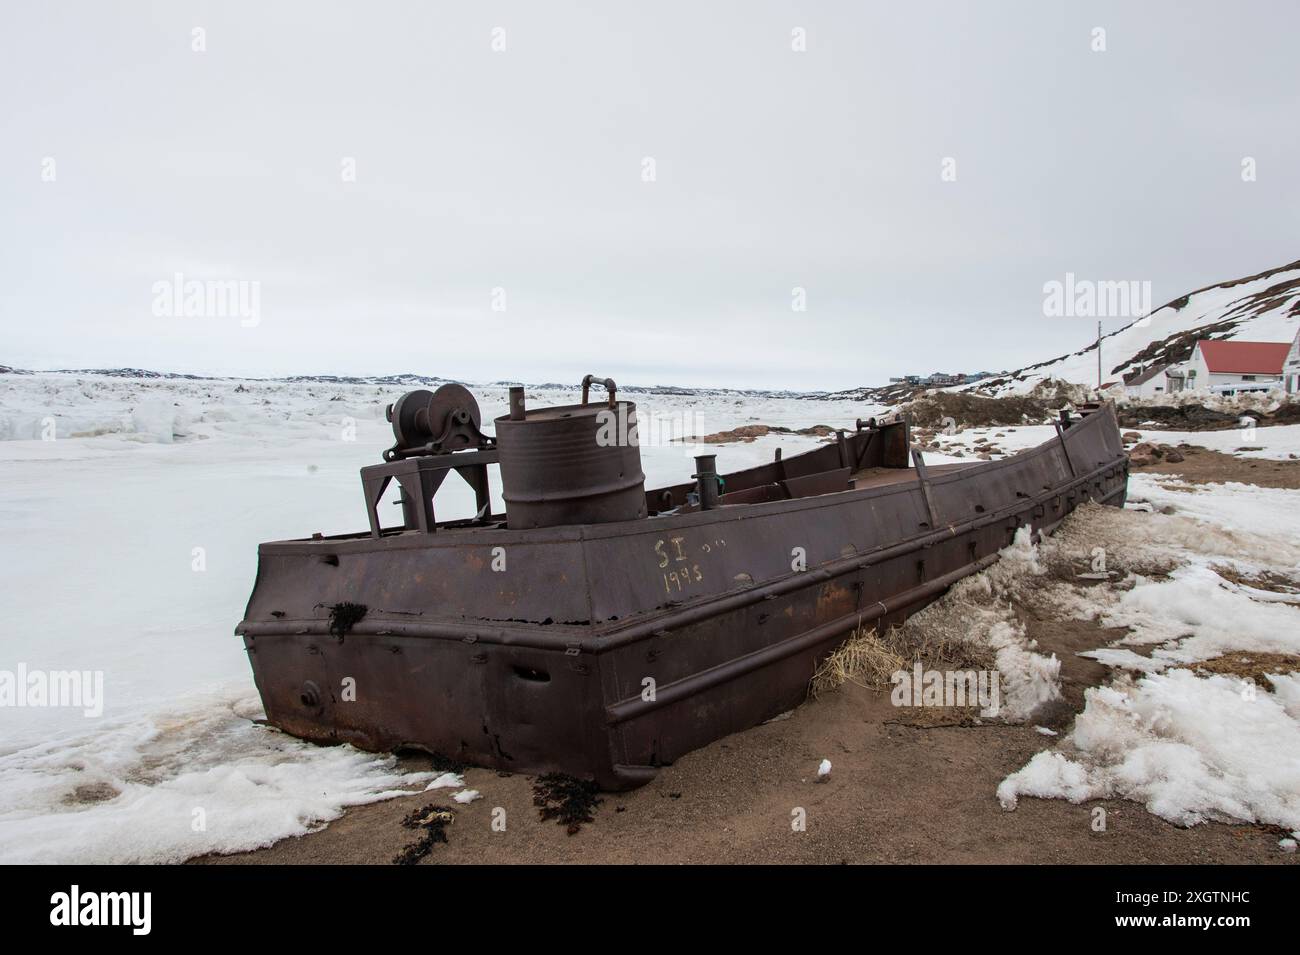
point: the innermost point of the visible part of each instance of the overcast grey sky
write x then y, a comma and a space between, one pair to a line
522, 169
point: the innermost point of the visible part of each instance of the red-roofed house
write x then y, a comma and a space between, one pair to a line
1291, 367
1227, 363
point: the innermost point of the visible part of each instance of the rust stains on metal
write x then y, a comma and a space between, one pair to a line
600, 629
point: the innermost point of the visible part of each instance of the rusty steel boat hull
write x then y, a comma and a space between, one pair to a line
608, 650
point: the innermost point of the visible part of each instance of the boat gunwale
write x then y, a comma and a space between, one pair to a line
611, 634
360, 543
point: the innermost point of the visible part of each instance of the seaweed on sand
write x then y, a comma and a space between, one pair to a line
432, 821
569, 801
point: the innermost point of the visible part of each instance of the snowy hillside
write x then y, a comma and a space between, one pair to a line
1263, 308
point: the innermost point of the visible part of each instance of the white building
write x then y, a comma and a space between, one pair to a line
1222, 364
1291, 366
1147, 382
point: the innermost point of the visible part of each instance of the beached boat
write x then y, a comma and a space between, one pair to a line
602, 630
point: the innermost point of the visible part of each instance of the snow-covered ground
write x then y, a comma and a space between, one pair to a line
1190, 746
970, 442
129, 549
1274, 442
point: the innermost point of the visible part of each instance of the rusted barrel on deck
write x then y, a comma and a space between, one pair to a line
571, 464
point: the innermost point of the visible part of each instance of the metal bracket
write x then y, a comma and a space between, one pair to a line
919, 460
419, 479
1065, 449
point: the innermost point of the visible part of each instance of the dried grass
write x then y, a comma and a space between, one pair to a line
864, 659
1251, 666
1268, 580
942, 636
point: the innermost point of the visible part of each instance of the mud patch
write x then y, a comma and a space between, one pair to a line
938, 717
91, 793
1203, 466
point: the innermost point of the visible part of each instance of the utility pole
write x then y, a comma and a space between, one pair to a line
1099, 354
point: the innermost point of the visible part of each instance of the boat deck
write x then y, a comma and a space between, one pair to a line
880, 477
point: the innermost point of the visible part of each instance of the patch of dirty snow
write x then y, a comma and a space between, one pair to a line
968, 443
197, 778
1270, 513
1121, 659
1189, 747
1277, 442
1195, 615
1028, 678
